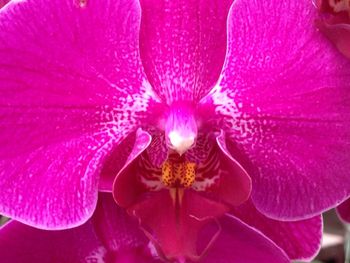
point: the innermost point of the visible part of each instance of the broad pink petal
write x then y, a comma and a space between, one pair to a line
71, 86
299, 239
238, 242
183, 45
21, 243
284, 93
54, 186
174, 228
344, 211
110, 236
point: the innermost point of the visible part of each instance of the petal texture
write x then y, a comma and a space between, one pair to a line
71, 86
115, 162
284, 93
234, 186
174, 228
120, 233
127, 186
110, 236
55, 186
299, 239
183, 46
21, 243
238, 242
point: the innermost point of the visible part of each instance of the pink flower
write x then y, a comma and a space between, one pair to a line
112, 236
194, 108
335, 23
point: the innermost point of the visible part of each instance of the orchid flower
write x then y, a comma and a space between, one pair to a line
335, 23
113, 236
185, 109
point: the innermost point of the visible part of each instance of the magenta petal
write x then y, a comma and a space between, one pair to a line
120, 233
115, 163
111, 236
66, 71
114, 227
344, 211
284, 94
126, 185
299, 239
239, 242
55, 186
175, 229
234, 186
21, 244
183, 45
71, 85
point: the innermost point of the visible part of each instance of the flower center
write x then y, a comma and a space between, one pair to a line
177, 172
180, 128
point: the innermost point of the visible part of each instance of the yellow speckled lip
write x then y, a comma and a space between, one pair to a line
178, 174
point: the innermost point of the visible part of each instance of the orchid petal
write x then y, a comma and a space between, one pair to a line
238, 242
120, 233
174, 230
54, 187
218, 172
183, 46
110, 236
114, 227
71, 86
343, 211
127, 187
301, 240
21, 243
115, 162
284, 94
233, 176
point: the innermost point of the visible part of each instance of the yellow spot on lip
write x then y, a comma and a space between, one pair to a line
179, 174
